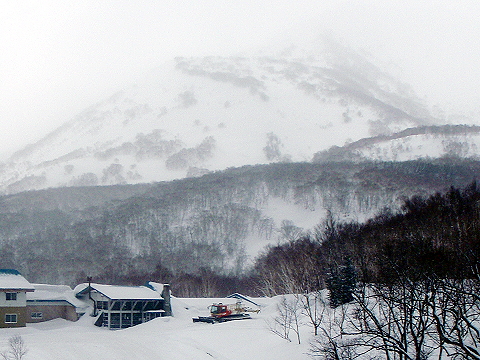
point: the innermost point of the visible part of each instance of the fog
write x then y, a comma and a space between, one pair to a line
59, 56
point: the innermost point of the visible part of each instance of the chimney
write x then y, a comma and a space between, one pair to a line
166, 297
89, 279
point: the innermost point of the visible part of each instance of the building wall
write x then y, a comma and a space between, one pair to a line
21, 313
121, 314
50, 312
21, 299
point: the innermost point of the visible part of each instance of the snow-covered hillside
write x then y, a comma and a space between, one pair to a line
195, 115
427, 142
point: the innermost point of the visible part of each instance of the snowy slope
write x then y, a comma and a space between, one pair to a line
176, 338
427, 142
194, 115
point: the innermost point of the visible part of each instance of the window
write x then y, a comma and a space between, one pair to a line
10, 318
11, 296
36, 315
102, 305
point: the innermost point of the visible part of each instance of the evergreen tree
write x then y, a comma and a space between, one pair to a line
333, 286
348, 281
341, 283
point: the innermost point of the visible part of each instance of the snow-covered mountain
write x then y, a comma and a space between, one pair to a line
195, 115
426, 142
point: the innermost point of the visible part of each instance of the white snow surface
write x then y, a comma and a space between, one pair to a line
55, 292
168, 338
10, 281
423, 146
122, 292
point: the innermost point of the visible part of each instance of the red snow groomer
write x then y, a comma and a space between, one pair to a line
226, 312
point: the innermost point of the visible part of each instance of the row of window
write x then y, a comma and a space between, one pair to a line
13, 318
36, 315
140, 305
126, 320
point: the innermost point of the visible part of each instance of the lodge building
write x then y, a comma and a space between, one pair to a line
120, 307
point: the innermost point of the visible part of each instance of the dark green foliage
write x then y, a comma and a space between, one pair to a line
341, 283
349, 280
333, 283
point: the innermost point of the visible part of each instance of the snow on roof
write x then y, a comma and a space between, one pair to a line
11, 279
242, 297
118, 292
158, 287
46, 292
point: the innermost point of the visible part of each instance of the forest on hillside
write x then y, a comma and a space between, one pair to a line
192, 232
436, 236
402, 285
431, 237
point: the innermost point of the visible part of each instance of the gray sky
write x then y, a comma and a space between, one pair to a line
59, 56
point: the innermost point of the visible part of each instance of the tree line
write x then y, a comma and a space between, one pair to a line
195, 228
437, 236
400, 286
431, 237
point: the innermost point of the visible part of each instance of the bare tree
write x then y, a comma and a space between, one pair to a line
289, 231
408, 320
17, 349
313, 307
330, 343
288, 318
393, 319
455, 308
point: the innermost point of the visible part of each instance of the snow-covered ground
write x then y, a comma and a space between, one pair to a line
169, 338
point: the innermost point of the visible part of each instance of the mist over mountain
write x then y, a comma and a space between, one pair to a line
195, 115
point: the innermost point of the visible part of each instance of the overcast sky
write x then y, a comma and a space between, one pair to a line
59, 56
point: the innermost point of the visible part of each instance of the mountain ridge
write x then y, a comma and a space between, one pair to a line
457, 141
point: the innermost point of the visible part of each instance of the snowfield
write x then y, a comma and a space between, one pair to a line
169, 338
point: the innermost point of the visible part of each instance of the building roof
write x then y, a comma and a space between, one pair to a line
53, 293
117, 292
158, 287
242, 297
11, 279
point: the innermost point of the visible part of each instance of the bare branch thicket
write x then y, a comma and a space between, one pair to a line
291, 268
313, 307
394, 320
294, 306
406, 321
17, 349
456, 316
288, 318
330, 343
